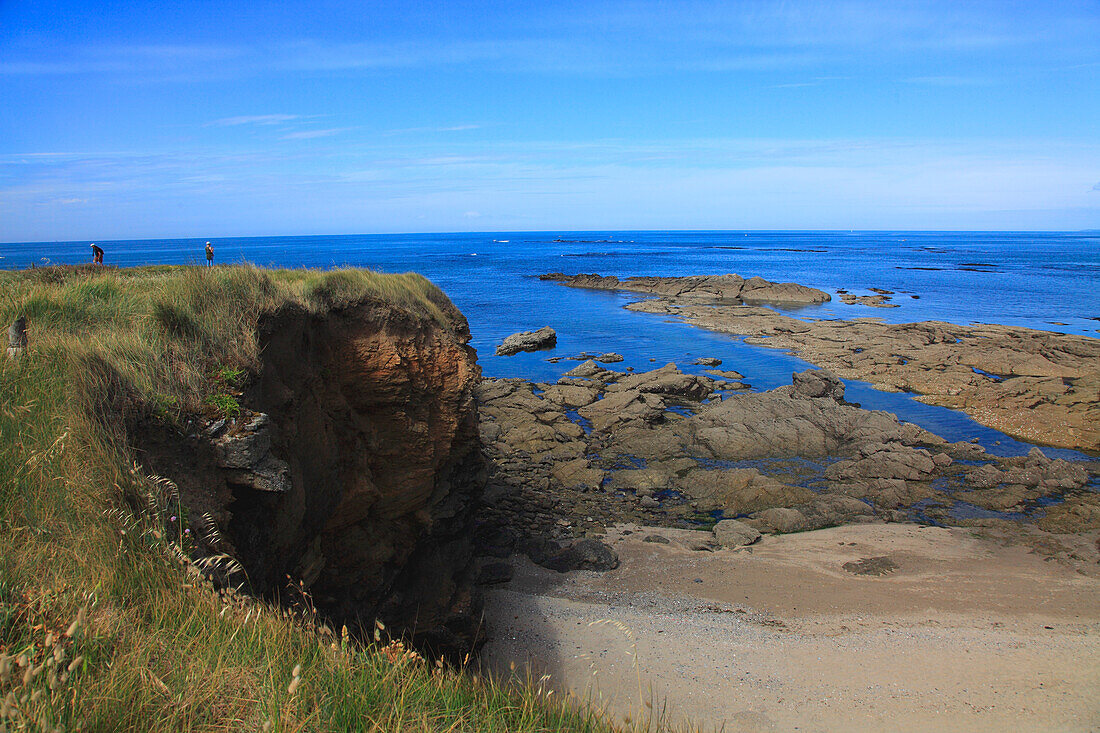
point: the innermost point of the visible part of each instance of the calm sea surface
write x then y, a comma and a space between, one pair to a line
1044, 280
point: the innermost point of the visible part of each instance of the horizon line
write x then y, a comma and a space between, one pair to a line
553, 231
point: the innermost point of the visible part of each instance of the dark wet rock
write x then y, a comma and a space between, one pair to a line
1078, 513
494, 573
739, 491
640, 480
571, 395
701, 542
587, 369
656, 538
886, 493
540, 549
708, 361
1001, 499
730, 533
609, 358
818, 383
668, 380
885, 461
825, 511
623, 407
881, 565
966, 451
875, 301
578, 472
494, 541
584, 554
772, 424
544, 338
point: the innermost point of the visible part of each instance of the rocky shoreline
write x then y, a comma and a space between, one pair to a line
669, 449
1040, 386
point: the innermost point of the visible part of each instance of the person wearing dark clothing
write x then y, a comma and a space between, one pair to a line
97, 254
209, 254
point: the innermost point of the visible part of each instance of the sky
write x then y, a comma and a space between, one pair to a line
207, 119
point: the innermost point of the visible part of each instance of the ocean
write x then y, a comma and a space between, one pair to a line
1043, 280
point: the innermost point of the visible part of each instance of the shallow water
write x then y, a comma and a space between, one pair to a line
1044, 280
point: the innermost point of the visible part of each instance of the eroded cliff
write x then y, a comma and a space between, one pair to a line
354, 473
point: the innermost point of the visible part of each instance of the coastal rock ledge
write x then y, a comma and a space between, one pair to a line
727, 288
353, 475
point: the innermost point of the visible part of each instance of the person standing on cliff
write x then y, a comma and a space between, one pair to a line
97, 254
209, 255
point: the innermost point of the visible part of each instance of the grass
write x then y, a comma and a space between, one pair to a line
104, 622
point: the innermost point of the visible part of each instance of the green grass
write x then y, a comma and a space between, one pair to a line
104, 623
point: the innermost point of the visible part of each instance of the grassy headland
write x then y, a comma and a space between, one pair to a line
104, 623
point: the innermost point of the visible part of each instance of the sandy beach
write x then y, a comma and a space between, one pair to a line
963, 634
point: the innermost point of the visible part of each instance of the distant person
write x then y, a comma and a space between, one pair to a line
97, 254
209, 254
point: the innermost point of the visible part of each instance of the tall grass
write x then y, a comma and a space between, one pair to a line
104, 622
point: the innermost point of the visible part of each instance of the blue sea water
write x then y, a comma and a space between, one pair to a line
1043, 280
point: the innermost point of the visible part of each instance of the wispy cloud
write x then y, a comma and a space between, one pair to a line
274, 119
816, 81
120, 59
311, 134
447, 128
1096, 187
949, 81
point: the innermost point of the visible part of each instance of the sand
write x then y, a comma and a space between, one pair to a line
964, 635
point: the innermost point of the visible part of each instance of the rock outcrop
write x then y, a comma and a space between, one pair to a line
544, 338
354, 475
725, 288
665, 448
1039, 386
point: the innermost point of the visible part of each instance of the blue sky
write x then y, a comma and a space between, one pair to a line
204, 119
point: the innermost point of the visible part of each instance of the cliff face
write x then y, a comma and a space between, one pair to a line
361, 480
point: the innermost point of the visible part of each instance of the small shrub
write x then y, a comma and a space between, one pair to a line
165, 406
231, 376
226, 405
